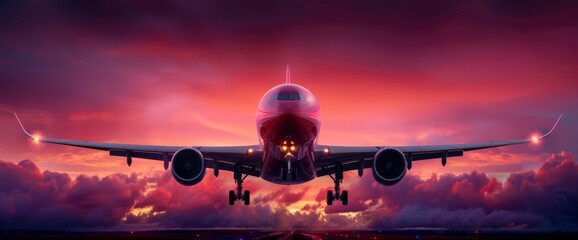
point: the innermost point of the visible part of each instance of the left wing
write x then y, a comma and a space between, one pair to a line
359, 158
226, 158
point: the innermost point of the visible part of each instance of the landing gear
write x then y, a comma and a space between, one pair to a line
239, 178
246, 197
232, 197
337, 180
343, 197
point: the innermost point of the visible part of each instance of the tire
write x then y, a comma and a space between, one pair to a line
247, 197
344, 197
232, 197
329, 197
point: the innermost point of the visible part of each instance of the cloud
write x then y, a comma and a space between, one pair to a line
31, 199
205, 205
283, 196
532, 199
542, 199
549, 191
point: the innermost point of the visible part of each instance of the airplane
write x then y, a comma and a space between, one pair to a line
288, 123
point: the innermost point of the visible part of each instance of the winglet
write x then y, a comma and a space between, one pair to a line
287, 74
551, 130
22, 127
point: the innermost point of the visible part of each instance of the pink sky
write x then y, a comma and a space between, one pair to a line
173, 73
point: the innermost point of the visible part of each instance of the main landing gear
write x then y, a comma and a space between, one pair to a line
239, 178
337, 180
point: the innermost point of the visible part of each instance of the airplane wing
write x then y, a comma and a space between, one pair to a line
249, 157
359, 158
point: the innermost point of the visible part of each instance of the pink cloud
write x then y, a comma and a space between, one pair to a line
541, 199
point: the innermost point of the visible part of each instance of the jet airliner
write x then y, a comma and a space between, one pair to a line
288, 124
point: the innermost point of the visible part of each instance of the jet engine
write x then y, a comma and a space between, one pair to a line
188, 166
389, 166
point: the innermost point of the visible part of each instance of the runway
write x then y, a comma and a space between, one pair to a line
282, 235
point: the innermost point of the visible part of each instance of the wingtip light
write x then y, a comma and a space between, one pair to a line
535, 139
36, 138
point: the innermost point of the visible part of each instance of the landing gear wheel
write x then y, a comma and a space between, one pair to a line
344, 197
239, 194
232, 197
246, 197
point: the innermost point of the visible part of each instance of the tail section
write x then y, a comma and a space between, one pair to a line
288, 74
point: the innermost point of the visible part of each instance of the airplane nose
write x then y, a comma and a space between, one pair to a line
289, 107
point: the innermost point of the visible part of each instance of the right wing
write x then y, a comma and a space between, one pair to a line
248, 157
353, 157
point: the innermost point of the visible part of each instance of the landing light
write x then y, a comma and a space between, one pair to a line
326, 150
288, 146
250, 150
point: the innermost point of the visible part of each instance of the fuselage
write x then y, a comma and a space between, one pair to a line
288, 123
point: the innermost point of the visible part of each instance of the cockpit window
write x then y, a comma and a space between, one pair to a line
294, 97
288, 96
283, 96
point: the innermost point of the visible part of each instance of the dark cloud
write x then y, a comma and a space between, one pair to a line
548, 191
31, 199
540, 199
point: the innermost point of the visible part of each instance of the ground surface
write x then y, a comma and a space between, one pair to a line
265, 235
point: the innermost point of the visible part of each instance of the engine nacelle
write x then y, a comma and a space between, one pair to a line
188, 166
389, 166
